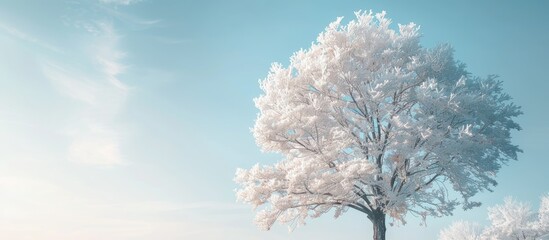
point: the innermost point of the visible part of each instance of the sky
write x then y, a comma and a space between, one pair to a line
127, 119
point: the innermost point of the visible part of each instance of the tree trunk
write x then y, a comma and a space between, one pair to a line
378, 222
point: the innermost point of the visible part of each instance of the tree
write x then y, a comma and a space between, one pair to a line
510, 221
368, 119
461, 230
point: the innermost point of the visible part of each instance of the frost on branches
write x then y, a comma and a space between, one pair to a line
461, 230
510, 221
367, 119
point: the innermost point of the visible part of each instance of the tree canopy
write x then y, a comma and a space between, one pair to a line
368, 119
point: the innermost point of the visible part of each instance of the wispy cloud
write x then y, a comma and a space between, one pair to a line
23, 36
99, 94
74, 85
108, 56
131, 21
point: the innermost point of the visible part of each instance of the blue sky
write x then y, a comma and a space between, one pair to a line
126, 119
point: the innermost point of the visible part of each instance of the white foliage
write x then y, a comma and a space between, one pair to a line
510, 221
543, 222
461, 231
368, 119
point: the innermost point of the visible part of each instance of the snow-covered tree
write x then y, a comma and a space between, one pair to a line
543, 217
510, 221
368, 119
461, 230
